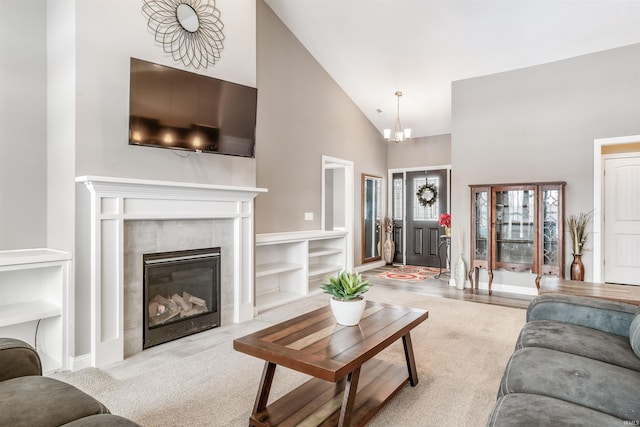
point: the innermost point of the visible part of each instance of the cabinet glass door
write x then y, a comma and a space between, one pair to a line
481, 226
551, 229
515, 227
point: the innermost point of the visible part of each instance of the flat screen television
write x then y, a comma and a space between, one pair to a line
176, 109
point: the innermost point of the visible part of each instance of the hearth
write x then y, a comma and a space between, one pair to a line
181, 294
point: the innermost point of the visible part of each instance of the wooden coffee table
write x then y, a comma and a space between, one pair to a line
349, 385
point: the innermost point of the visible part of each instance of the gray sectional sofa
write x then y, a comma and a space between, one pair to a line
27, 399
576, 363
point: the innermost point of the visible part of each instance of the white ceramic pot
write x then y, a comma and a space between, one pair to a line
348, 313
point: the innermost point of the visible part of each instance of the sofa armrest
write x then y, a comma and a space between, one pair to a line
18, 359
604, 315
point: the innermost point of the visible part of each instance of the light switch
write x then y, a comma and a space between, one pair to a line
308, 216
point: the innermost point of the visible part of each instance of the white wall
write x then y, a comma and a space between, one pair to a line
108, 34
539, 124
23, 138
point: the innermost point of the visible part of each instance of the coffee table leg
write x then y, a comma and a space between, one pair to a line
265, 387
349, 398
411, 361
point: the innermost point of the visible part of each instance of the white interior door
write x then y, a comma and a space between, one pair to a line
622, 220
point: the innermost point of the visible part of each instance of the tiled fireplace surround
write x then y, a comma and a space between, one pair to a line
144, 237
130, 217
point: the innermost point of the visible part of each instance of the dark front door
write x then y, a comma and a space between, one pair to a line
422, 228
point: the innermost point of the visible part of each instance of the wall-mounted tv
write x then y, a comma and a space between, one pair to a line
171, 108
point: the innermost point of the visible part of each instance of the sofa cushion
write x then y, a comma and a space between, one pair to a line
526, 410
634, 334
42, 401
608, 316
579, 340
18, 359
587, 382
104, 420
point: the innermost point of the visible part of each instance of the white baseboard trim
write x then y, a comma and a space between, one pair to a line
370, 266
80, 362
512, 289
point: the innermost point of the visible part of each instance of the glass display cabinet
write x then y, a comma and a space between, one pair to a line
517, 227
480, 229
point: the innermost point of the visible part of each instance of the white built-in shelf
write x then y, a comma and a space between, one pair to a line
318, 269
274, 299
276, 268
293, 265
15, 258
34, 302
321, 251
11, 314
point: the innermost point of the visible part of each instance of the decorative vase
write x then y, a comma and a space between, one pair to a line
460, 273
577, 268
447, 231
389, 249
348, 313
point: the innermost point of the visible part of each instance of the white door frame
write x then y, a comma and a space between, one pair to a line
598, 220
335, 163
404, 171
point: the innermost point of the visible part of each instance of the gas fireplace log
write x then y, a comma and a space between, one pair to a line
197, 301
163, 318
197, 309
169, 304
184, 304
154, 308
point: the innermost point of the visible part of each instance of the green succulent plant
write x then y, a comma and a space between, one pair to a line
346, 286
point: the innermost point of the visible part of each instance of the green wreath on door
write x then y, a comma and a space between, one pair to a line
427, 188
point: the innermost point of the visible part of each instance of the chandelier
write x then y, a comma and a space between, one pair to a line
399, 134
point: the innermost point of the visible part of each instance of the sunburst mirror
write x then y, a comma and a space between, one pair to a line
189, 30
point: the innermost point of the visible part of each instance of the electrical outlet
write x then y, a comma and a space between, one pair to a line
308, 216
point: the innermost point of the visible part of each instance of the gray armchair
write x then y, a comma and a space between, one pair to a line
28, 399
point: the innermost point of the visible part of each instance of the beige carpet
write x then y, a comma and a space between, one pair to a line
461, 351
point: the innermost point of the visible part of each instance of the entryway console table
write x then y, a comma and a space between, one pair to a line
517, 227
349, 386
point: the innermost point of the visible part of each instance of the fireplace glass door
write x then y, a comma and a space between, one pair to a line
181, 294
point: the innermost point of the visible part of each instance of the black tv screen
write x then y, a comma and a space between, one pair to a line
171, 108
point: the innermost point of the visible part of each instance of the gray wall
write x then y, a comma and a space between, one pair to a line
538, 124
417, 152
23, 114
302, 115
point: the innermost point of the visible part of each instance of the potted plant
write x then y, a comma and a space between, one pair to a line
347, 302
445, 220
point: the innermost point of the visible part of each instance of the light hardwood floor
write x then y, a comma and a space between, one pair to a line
440, 288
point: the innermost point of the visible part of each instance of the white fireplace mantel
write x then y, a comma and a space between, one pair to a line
114, 200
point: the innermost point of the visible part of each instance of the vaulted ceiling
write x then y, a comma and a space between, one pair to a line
372, 48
